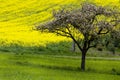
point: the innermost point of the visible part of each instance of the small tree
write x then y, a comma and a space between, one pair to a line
85, 26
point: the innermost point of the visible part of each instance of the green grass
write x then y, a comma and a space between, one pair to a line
43, 67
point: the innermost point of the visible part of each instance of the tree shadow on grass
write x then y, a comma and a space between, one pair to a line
67, 68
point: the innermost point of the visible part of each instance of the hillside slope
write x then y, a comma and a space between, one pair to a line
18, 17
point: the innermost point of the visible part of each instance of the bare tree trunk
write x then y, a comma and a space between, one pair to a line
73, 46
83, 60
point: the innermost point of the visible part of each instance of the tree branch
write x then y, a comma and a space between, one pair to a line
62, 31
105, 32
100, 32
92, 46
62, 34
74, 39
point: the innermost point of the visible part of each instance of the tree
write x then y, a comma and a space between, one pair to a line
85, 26
73, 46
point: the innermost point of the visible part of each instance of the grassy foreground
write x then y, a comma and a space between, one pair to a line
43, 67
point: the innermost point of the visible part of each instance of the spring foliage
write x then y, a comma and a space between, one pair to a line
91, 21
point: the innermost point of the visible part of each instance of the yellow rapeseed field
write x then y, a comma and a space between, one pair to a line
18, 18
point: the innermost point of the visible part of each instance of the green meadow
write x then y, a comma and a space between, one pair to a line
49, 67
27, 54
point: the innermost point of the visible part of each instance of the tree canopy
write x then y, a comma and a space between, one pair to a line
86, 26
